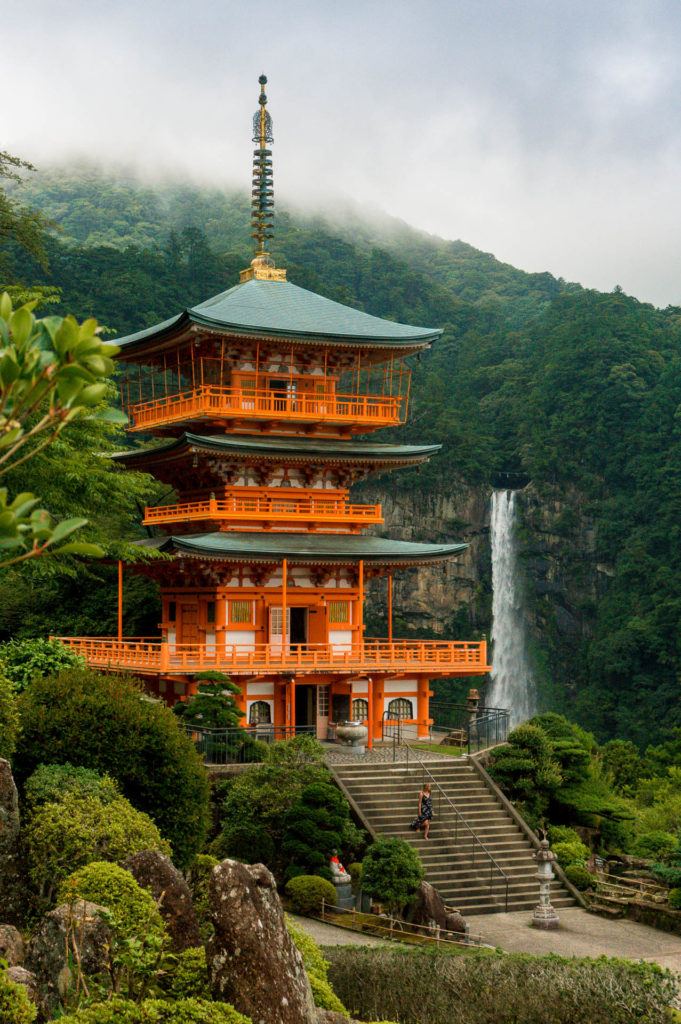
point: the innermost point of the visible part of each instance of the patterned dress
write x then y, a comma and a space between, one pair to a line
426, 811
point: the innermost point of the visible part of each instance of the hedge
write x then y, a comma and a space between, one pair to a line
419, 987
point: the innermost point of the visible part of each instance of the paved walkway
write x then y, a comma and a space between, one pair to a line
330, 935
580, 934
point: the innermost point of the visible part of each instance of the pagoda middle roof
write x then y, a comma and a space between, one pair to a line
273, 448
280, 309
307, 549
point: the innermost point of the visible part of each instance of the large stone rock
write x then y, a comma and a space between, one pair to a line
11, 886
158, 874
50, 953
20, 976
428, 908
252, 960
11, 945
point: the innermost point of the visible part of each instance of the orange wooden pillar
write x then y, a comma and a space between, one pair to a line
292, 720
120, 601
422, 706
390, 607
370, 714
284, 631
360, 602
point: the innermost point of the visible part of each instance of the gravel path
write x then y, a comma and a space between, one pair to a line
580, 934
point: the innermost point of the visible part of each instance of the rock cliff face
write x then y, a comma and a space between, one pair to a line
563, 580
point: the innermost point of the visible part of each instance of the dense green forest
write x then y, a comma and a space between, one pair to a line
575, 390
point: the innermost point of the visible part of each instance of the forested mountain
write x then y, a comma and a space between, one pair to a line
575, 393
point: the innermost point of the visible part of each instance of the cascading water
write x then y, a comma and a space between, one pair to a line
512, 682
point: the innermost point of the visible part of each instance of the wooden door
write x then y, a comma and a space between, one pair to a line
189, 623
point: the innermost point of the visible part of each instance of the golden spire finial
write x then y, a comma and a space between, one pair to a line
262, 195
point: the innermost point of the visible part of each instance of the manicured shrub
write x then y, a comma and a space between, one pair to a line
571, 853
269, 790
675, 899
69, 833
133, 910
306, 892
563, 834
157, 1011
480, 987
657, 845
103, 722
15, 1006
248, 841
571, 746
51, 782
580, 877
187, 975
25, 660
313, 827
391, 872
9, 717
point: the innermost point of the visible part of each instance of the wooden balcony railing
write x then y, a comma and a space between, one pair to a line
430, 657
246, 509
214, 402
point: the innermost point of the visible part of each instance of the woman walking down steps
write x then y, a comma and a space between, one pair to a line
425, 814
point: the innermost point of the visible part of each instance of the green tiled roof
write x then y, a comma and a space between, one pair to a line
305, 548
282, 309
277, 447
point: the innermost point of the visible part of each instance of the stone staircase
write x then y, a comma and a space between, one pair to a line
385, 796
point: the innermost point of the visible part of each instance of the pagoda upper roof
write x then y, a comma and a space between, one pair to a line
279, 309
276, 448
309, 549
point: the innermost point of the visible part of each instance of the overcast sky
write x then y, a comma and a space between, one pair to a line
545, 131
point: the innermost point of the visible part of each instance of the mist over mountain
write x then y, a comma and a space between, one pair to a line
573, 394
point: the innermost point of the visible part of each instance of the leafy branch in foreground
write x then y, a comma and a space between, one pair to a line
52, 371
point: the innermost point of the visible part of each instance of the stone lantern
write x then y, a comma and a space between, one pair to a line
472, 704
544, 915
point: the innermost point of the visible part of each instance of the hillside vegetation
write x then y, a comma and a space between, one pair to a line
575, 390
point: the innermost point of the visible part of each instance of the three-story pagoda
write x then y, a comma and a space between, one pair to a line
256, 396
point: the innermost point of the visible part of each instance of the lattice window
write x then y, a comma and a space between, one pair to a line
260, 713
323, 701
401, 708
241, 612
339, 612
360, 709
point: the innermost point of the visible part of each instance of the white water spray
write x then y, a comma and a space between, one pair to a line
512, 683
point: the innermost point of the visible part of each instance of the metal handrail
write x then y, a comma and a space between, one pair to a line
460, 817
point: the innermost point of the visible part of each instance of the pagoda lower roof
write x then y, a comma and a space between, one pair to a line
304, 549
275, 449
279, 309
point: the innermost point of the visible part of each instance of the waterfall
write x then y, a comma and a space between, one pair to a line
512, 683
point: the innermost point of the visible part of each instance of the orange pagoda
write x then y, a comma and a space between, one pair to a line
256, 397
